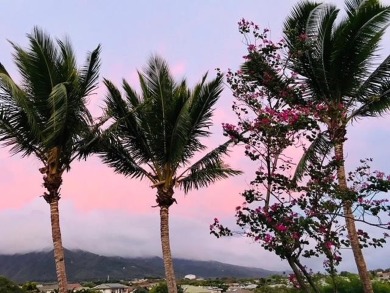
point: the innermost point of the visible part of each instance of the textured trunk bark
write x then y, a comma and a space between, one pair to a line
332, 268
299, 276
58, 248
307, 276
350, 223
166, 249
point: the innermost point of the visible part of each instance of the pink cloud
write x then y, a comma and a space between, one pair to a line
91, 185
20, 182
178, 69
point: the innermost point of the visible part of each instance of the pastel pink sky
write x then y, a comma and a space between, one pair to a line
106, 213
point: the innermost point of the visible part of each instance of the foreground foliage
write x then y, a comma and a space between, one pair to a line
6, 286
348, 284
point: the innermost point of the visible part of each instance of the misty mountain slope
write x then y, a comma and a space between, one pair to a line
84, 266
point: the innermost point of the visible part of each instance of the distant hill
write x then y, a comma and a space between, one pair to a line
86, 266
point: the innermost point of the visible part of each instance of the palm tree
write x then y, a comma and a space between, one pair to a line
154, 135
46, 116
337, 62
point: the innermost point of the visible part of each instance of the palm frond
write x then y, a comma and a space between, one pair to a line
89, 73
351, 6
13, 133
373, 95
205, 176
372, 85
88, 144
38, 66
66, 61
131, 95
356, 40
12, 95
158, 86
376, 104
54, 128
203, 99
115, 106
211, 158
118, 158
309, 32
317, 150
180, 135
159, 81
129, 123
254, 70
320, 77
194, 110
296, 23
208, 169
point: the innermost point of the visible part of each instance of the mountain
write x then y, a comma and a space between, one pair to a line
86, 266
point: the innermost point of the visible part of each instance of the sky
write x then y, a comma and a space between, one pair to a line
109, 214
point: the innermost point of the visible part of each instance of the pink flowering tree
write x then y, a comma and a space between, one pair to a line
337, 57
293, 219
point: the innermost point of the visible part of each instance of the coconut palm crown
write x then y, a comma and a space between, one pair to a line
339, 60
45, 115
155, 134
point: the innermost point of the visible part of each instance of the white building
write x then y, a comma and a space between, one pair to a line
190, 277
112, 288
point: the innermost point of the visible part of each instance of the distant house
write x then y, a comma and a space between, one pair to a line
239, 290
52, 287
250, 286
190, 277
112, 288
383, 275
199, 289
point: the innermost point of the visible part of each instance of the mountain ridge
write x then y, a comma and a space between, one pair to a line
86, 266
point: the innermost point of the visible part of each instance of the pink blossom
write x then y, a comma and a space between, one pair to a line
296, 235
303, 37
268, 238
251, 48
379, 174
337, 258
281, 228
329, 244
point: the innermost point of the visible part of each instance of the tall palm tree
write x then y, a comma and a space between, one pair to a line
154, 135
337, 59
46, 115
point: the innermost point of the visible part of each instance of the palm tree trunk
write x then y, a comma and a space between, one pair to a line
58, 248
166, 249
52, 181
350, 222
